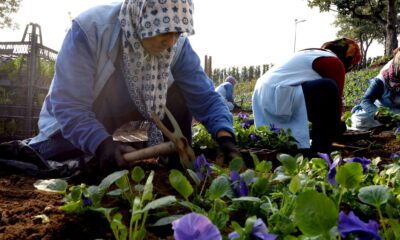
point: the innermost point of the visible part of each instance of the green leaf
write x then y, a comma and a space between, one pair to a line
52, 185
219, 187
112, 178
289, 163
315, 213
194, 177
117, 192
254, 156
180, 183
148, 188
137, 174
318, 163
295, 184
72, 207
118, 227
219, 213
105, 211
260, 187
236, 164
166, 220
350, 175
95, 194
237, 228
123, 183
160, 202
76, 193
247, 199
374, 195
248, 226
395, 226
264, 166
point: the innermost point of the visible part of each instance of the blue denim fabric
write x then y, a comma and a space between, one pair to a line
375, 91
56, 148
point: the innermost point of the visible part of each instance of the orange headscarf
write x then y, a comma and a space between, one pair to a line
346, 50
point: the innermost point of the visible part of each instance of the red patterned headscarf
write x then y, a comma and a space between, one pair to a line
392, 76
346, 50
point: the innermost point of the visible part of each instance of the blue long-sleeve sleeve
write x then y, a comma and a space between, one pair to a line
375, 91
204, 103
72, 97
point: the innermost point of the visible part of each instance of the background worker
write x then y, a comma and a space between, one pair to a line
226, 89
383, 91
307, 87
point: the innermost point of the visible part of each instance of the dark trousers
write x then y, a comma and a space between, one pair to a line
323, 110
58, 148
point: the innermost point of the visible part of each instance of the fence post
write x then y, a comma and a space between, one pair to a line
208, 66
33, 51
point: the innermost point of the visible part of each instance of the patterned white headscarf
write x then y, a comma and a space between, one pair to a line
147, 75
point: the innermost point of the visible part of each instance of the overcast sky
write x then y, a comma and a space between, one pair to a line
233, 32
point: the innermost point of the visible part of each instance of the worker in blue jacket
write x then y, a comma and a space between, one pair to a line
225, 89
383, 92
118, 63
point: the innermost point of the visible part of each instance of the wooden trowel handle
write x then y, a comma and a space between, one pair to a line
150, 152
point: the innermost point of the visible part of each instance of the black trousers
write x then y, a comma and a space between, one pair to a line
323, 110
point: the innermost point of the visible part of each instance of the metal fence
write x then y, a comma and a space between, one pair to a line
22, 92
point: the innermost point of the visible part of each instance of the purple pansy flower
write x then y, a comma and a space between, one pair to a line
242, 116
254, 138
397, 131
394, 156
332, 167
239, 185
86, 201
195, 226
202, 167
352, 224
274, 129
259, 231
364, 162
245, 125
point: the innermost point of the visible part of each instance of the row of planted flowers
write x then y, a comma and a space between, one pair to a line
327, 197
247, 135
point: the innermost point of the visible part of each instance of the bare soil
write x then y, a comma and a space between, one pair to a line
20, 202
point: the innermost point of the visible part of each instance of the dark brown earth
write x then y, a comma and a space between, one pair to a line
20, 202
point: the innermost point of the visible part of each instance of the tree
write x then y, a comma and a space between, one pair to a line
382, 13
362, 31
8, 7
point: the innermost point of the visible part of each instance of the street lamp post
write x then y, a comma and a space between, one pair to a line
296, 21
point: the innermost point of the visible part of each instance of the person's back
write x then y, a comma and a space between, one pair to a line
225, 89
306, 88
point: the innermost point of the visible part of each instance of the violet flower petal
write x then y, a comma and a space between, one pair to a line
260, 231
234, 176
332, 172
332, 167
363, 161
233, 235
195, 226
326, 158
352, 224
243, 188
